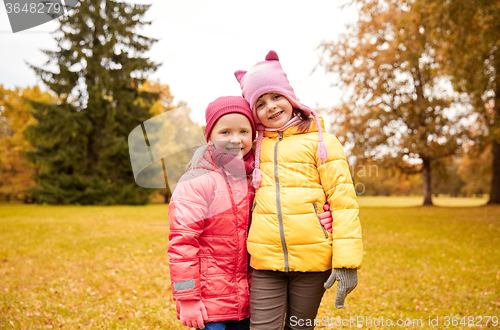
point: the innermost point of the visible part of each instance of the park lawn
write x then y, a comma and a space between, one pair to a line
75, 267
425, 262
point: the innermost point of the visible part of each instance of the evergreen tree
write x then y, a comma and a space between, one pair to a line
81, 142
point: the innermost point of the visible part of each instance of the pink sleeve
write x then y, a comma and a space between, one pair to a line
187, 212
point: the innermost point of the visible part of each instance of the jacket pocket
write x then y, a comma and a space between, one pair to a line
319, 220
217, 276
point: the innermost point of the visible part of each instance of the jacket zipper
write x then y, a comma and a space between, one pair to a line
235, 213
316, 211
278, 203
253, 206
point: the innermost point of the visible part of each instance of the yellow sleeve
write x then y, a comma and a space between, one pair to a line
339, 190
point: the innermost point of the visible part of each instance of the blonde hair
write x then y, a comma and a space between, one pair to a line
193, 163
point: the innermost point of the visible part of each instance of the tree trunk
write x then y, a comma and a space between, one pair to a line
495, 175
495, 145
426, 180
167, 195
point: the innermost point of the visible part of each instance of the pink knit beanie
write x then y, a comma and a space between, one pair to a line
268, 77
224, 105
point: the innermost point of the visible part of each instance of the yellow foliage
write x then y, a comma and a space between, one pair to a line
17, 175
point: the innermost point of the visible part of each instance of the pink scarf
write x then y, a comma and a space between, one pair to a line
292, 122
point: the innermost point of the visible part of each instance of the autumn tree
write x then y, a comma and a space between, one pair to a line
467, 33
446, 179
17, 175
475, 168
396, 107
81, 141
372, 178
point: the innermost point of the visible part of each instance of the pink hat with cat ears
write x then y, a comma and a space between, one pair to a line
268, 77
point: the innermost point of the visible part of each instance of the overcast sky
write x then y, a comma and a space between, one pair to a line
202, 43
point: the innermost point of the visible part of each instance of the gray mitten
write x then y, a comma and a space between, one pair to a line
347, 278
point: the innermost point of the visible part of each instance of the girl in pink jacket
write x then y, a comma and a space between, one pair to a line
209, 215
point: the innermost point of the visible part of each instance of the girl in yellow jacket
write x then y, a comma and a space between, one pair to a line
298, 168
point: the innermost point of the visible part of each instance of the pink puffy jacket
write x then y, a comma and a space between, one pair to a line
209, 215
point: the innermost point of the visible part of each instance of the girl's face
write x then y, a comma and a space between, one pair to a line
273, 110
232, 134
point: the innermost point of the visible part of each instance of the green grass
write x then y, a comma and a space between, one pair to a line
107, 267
426, 262
85, 268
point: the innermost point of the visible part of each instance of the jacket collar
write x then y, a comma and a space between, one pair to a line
214, 160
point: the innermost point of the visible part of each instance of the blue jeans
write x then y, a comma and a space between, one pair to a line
228, 325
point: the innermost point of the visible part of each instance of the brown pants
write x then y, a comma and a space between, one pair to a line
290, 300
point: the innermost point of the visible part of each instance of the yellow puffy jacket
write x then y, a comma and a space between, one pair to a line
285, 233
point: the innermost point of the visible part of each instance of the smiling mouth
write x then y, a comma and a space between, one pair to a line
234, 150
276, 115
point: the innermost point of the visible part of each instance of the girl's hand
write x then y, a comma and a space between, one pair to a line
193, 313
326, 218
348, 280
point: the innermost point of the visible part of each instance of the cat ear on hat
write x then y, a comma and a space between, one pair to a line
272, 56
239, 74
